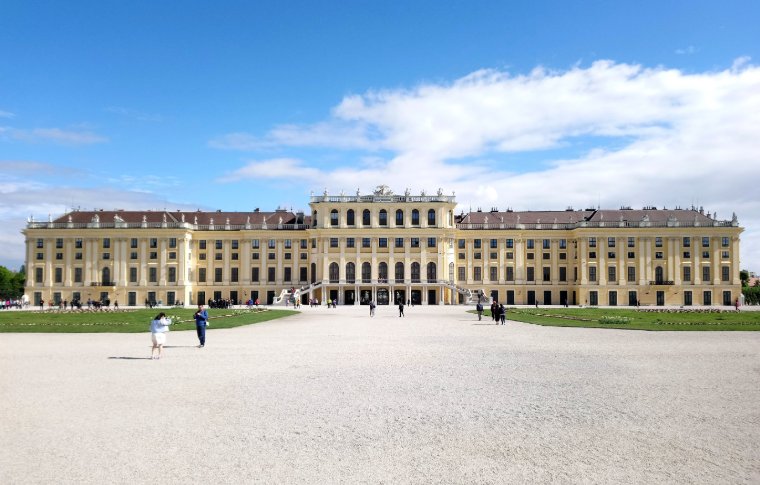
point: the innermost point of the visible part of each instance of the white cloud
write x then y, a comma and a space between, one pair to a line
276, 168
55, 135
655, 136
6, 114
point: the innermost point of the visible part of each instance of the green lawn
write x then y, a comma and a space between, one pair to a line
127, 321
635, 319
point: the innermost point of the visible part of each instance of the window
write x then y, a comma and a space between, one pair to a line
78, 243
173, 255
287, 256
658, 255
461, 256
382, 242
333, 242
304, 244
545, 256
58, 275
40, 256
254, 244
270, 256
106, 255
172, 274
399, 243
382, 273
288, 244
415, 217
201, 244
218, 256
705, 242
477, 274
592, 242
531, 256
705, 274
724, 255
366, 242
562, 255
592, 273
631, 242
563, 243
350, 273
546, 244
272, 244
461, 243
531, 274
432, 273
461, 273
431, 217
610, 242
686, 242
611, 273
510, 273
271, 275
494, 273
303, 256
288, 274
477, 255
366, 273
493, 255
415, 242
38, 275
563, 273
255, 275
494, 244
366, 217
724, 241
106, 243
350, 242
631, 274
350, 218
510, 255
687, 255
592, 255
725, 273
78, 275
254, 256
658, 242
153, 255
477, 243
631, 255
334, 217
399, 217
399, 272
173, 243
547, 274
154, 242
687, 273
333, 272
431, 242
530, 244
510, 243
59, 256
383, 216
705, 254
152, 274
611, 254
132, 274
40, 244
59, 243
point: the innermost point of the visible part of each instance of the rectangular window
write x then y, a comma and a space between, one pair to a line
687, 273
59, 256
432, 241
40, 256
219, 244
461, 255
288, 275
724, 255
234, 275
545, 256
610, 242
201, 275
254, 256
366, 242
510, 273
562, 256
172, 274
59, 243
461, 273
153, 255
530, 244
611, 254
154, 242
77, 275
510, 255
255, 244
592, 242
705, 242
494, 243
510, 243
287, 256
705, 274
350, 242
58, 275
415, 242
562, 273
494, 274
592, 273
202, 244
592, 255
631, 274
382, 242
658, 255
686, 242
106, 255
631, 255
725, 273
132, 274
271, 275
547, 244
173, 242
303, 256
38, 275
40, 243
333, 242
563, 243
724, 241
705, 254
270, 256
687, 255
153, 274
631, 242
493, 255
106, 243
78, 243
658, 242
611, 273
530, 256
399, 242
255, 275
461, 243
271, 244
288, 244
531, 274
547, 274
477, 243
218, 275
201, 256
173, 255
477, 255
478, 274
303, 244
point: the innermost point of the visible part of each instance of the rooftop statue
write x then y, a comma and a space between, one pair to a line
383, 190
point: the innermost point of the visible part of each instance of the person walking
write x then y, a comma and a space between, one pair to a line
400, 308
371, 308
158, 328
495, 311
479, 308
502, 313
201, 321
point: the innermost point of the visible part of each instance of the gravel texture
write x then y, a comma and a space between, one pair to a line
332, 396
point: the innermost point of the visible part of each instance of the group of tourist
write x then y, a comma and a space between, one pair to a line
8, 304
498, 312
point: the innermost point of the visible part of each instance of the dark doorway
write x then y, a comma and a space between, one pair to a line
270, 297
632, 299
432, 300
349, 297
563, 298
399, 296
333, 295
510, 297
416, 297
531, 297
495, 295
660, 298
383, 298
547, 297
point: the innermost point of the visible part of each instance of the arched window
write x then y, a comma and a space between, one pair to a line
350, 273
415, 217
382, 273
383, 217
334, 217
106, 277
399, 217
365, 217
451, 273
415, 272
350, 217
313, 272
431, 217
334, 273
431, 273
658, 275
399, 272
366, 273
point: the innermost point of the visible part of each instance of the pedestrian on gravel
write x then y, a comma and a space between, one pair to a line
158, 328
371, 308
201, 322
502, 313
479, 308
400, 308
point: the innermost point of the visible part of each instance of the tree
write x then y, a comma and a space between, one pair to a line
12, 283
744, 276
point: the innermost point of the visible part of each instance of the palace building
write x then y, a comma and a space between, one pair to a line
386, 247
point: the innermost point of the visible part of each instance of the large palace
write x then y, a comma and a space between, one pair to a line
386, 247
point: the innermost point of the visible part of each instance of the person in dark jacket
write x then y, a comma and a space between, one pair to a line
201, 321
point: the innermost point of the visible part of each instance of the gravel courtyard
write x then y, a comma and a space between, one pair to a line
332, 396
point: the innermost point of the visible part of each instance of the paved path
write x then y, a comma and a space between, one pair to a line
332, 396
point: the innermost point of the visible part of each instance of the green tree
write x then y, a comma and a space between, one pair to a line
744, 275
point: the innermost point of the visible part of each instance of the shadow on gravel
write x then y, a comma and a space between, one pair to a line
131, 358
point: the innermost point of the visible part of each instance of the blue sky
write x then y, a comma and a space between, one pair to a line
237, 105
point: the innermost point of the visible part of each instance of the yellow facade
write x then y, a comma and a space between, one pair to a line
386, 247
